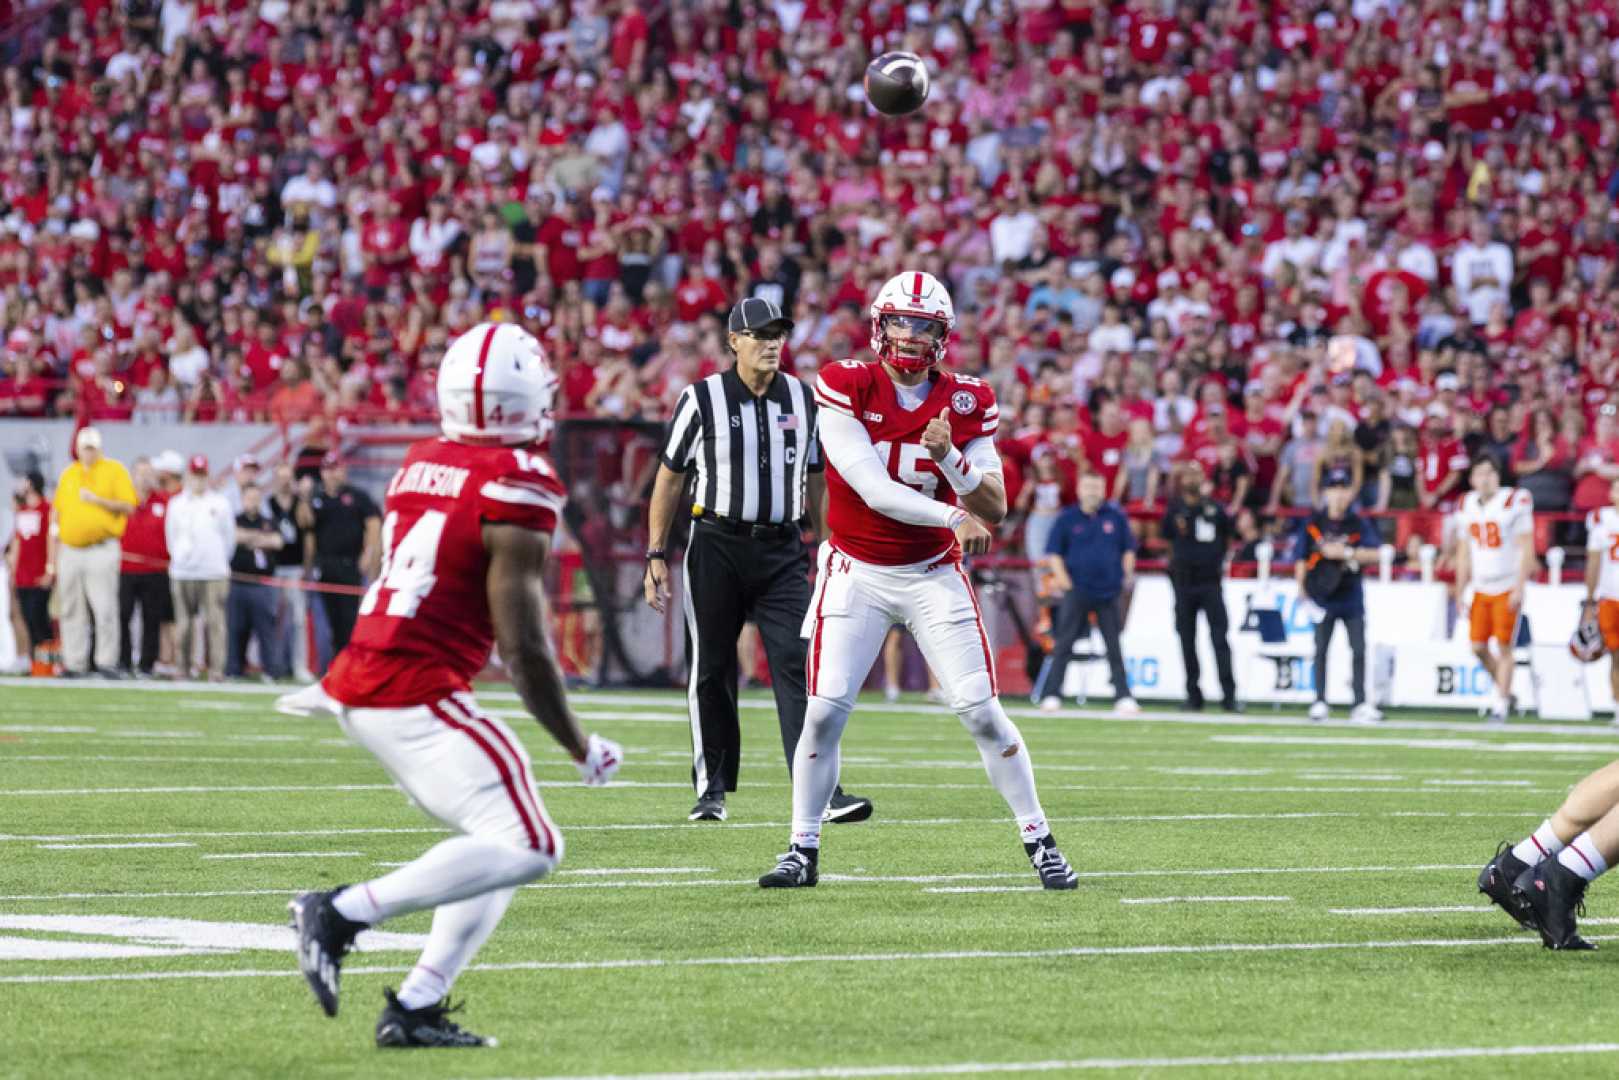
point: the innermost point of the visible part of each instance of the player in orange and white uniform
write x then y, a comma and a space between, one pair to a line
911, 468
1495, 554
1602, 579
466, 533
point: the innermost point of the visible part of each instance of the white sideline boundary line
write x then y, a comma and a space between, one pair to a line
841, 879
608, 699
287, 855
211, 789
116, 847
953, 956
967, 1068
1207, 900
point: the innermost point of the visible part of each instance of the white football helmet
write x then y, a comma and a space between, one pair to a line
495, 387
918, 303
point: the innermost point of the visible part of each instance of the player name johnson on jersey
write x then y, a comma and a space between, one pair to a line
424, 629
865, 391
1602, 542
1492, 529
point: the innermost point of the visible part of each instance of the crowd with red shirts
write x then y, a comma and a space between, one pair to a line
1276, 238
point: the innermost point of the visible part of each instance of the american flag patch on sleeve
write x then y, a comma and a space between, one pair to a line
787, 421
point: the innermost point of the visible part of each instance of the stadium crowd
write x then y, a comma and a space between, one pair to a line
1277, 239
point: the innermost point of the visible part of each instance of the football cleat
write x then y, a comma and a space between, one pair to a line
1054, 871
1126, 706
1319, 711
846, 809
795, 869
708, 808
1554, 894
324, 938
1495, 881
1366, 713
428, 1026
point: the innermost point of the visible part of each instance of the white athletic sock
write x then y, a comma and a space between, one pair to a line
815, 768
1541, 845
455, 869
1006, 760
1582, 857
458, 932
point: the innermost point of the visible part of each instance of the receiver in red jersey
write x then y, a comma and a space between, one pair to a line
424, 629
865, 391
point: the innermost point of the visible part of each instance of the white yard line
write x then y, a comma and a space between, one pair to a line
1468, 745
1207, 900
116, 847
216, 789
288, 855
953, 956
985, 888
1099, 1064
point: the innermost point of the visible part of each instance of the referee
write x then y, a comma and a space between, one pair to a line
750, 433
1199, 533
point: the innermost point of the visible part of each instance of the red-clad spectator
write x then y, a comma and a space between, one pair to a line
1597, 464
1104, 442
143, 579
28, 556
1444, 461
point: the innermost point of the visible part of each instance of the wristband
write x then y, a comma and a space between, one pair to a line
656, 553
961, 475
956, 517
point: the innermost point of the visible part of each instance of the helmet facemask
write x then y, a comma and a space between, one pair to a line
909, 342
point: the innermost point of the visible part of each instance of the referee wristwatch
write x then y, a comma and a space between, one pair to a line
658, 554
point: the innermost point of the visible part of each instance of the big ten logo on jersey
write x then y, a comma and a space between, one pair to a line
910, 464
1294, 673
1463, 680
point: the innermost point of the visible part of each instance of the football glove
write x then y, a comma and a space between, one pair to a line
602, 759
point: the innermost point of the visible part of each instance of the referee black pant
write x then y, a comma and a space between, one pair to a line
730, 578
1207, 597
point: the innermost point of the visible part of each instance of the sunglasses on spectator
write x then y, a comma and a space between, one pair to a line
917, 325
771, 333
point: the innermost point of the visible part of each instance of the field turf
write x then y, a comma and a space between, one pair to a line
1260, 897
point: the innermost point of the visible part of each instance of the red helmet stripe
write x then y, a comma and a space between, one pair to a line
916, 288
477, 378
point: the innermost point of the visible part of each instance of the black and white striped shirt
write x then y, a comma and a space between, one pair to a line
753, 455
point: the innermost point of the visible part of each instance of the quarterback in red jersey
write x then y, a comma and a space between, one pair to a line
911, 468
466, 532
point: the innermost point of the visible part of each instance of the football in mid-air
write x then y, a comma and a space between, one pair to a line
897, 83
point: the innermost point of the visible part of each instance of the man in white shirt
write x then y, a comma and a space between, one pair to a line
1481, 270
1012, 231
1296, 247
201, 533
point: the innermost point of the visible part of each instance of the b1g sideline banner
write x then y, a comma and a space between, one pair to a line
1417, 651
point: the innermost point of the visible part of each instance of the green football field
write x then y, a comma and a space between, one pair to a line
1259, 896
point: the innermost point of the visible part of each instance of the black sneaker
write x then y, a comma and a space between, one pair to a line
794, 870
846, 809
324, 937
429, 1025
708, 808
1231, 704
1054, 871
1192, 704
1495, 881
1554, 894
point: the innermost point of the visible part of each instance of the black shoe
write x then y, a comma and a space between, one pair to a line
324, 937
1495, 881
1231, 704
708, 808
846, 809
1554, 894
429, 1025
794, 870
1054, 871
1192, 705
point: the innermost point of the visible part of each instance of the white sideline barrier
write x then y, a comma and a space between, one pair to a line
1417, 651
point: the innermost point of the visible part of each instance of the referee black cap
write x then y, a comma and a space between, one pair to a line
756, 313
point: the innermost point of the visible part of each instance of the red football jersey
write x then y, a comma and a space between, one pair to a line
865, 391
424, 629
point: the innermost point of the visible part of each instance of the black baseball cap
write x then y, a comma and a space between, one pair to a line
756, 313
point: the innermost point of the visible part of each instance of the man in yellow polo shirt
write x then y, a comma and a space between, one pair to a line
93, 501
